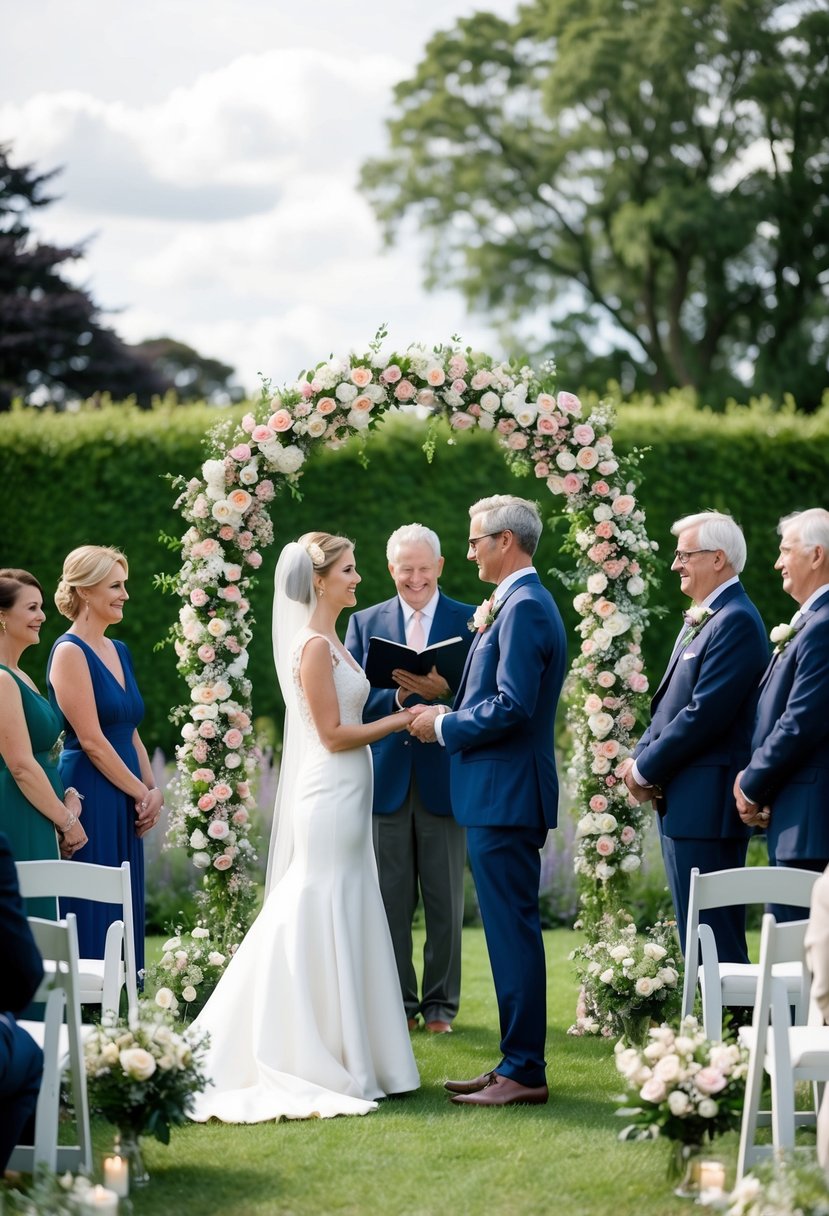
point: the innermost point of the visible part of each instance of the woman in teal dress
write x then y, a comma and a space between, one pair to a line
41, 820
93, 684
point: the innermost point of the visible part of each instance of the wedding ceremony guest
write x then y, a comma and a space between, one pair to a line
307, 1020
700, 728
817, 960
92, 684
417, 842
785, 785
21, 1060
40, 819
504, 786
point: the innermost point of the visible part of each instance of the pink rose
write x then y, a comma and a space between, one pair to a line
461, 421
362, 404
254, 559
265, 491
206, 802
391, 375
232, 645
262, 434
626, 721
506, 425
623, 505
627, 834
231, 593
326, 405
241, 452
405, 391
435, 376
248, 423
306, 389
653, 1090
221, 791
605, 529
200, 751
361, 376
481, 380
542, 469
243, 789
545, 402
609, 748
207, 730
710, 1080
233, 573
599, 552
458, 366
232, 738
583, 434
606, 679
198, 597
459, 387
614, 567
218, 830
226, 532
546, 424
517, 441
588, 646
572, 484
605, 845
204, 774
280, 421
569, 403
586, 458
426, 397
637, 682
240, 816
222, 862
601, 488
598, 803
474, 409
245, 540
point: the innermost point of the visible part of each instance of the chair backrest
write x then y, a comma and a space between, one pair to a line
83, 880
779, 943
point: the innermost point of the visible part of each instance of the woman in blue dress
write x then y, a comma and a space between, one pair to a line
38, 816
92, 681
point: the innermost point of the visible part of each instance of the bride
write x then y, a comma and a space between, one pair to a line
308, 1020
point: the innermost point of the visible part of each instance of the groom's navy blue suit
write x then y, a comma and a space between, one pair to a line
505, 792
789, 767
697, 742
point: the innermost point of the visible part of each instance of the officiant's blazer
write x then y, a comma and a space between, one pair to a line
701, 717
789, 767
400, 755
500, 734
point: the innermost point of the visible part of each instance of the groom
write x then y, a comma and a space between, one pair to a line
499, 737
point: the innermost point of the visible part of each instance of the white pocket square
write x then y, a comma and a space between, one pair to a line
688, 654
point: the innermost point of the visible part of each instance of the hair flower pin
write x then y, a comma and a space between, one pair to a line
315, 553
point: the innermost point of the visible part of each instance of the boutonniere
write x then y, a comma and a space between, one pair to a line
694, 619
483, 617
781, 635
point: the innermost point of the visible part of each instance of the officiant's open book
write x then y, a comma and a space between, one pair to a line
384, 656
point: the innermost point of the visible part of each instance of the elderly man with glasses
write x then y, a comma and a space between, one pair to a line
701, 715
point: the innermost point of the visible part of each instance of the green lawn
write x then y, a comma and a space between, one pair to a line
422, 1156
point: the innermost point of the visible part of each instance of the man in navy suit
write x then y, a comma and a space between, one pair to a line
21, 1060
499, 736
785, 786
416, 841
700, 729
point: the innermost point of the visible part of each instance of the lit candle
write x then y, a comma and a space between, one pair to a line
711, 1176
117, 1175
98, 1201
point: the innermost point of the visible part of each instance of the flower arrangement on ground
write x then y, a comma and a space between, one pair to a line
791, 1185
627, 978
58, 1194
142, 1076
189, 969
681, 1086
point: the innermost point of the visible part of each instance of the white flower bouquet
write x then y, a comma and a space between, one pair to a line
681, 1085
190, 967
142, 1076
626, 977
789, 1184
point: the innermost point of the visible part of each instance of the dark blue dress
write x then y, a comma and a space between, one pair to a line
108, 813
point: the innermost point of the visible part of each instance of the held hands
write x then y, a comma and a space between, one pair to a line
751, 813
402, 720
432, 687
147, 811
423, 724
636, 793
72, 837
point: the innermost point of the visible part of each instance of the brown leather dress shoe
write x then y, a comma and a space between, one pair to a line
437, 1027
503, 1091
412, 1023
469, 1087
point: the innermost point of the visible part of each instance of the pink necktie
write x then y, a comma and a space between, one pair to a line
417, 638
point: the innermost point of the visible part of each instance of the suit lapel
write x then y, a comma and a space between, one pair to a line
727, 596
521, 582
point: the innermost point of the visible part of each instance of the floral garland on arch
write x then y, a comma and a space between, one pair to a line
545, 436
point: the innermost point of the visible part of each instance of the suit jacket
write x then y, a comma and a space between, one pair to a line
789, 767
701, 715
500, 735
398, 756
22, 968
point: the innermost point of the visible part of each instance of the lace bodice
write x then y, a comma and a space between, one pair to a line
349, 681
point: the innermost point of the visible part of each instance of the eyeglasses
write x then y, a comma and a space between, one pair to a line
474, 541
682, 555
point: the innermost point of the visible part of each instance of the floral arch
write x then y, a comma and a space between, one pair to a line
544, 435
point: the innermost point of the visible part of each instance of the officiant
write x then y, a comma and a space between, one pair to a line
419, 846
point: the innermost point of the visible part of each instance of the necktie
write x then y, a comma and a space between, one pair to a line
417, 637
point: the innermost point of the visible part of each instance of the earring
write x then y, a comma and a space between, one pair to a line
320, 592
2, 624
86, 614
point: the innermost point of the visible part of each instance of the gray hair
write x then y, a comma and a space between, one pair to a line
412, 534
812, 527
505, 512
716, 531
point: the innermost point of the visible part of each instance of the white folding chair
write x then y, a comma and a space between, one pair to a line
60, 1035
101, 979
736, 983
787, 1053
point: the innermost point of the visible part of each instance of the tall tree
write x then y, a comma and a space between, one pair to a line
649, 177
194, 377
52, 342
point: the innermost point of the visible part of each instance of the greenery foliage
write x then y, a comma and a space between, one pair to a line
655, 170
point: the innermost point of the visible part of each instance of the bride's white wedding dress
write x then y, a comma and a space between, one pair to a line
308, 1019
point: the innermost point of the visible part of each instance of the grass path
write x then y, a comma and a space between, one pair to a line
421, 1156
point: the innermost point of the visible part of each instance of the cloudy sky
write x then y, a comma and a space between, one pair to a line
211, 150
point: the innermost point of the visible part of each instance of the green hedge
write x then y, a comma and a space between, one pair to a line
98, 477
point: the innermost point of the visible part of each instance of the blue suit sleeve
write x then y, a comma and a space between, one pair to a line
22, 968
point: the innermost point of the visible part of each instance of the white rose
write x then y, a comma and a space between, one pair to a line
707, 1108
201, 860
600, 724
608, 823
654, 950
200, 932
137, 1063
289, 459
604, 871
215, 958
644, 986
618, 952
566, 461
630, 863
172, 943
198, 840
216, 627
188, 994
678, 1103
617, 624
602, 513
486, 422
360, 420
346, 392
490, 402
597, 583
607, 976
526, 415
668, 1068
164, 998
316, 426
668, 975
635, 585
602, 638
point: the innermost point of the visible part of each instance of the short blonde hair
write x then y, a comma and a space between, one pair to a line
84, 567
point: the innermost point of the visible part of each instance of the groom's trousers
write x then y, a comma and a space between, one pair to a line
506, 866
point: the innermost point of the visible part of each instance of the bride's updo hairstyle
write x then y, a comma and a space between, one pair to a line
323, 551
84, 567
